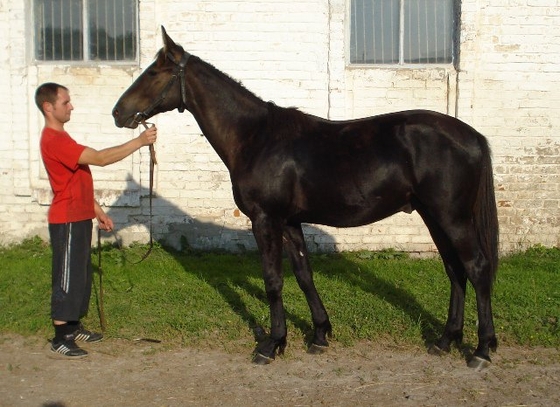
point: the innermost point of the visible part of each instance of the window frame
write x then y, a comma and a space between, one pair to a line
86, 60
455, 41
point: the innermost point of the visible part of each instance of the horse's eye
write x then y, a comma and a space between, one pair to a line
151, 72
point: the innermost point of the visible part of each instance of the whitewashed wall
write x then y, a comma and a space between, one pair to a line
294, 53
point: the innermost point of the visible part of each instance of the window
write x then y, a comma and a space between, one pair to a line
86, 30
402, 31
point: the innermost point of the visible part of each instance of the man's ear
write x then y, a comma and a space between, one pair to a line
47, 107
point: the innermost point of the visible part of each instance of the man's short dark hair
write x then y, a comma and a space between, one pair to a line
47, 92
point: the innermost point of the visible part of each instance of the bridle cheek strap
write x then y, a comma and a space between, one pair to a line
179, 72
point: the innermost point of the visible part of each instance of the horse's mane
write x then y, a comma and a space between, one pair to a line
290, 119
223, 75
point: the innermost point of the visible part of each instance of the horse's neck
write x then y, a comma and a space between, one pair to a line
226, 112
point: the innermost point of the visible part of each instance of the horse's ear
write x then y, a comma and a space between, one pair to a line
168, 43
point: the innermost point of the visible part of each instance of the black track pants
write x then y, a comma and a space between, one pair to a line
71, 269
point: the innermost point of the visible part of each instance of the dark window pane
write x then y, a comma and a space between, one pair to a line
112, 29
426, 36
374, 37
428, 25
59, 30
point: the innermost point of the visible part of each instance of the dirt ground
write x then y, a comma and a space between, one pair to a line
128, 373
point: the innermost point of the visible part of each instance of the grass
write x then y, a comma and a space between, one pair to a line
216, 299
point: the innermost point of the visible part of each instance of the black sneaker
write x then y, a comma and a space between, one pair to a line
82, 334
68, 348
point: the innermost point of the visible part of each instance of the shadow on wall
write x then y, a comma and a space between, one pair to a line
178, 231
175, 228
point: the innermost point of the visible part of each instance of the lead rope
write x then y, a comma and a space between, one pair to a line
100, 271
153, 162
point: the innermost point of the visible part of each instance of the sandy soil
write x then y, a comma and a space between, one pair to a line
127, 373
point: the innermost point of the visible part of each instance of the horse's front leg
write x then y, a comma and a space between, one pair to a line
299, 258
268, 235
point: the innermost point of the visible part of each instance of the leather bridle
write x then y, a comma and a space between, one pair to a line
178, 72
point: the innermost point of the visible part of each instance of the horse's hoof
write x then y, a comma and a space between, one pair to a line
315, 349
260, 359
479, 363
436, 350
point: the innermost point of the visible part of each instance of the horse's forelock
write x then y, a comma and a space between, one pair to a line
161, 56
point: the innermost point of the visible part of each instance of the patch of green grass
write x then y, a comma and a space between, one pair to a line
527, 297
216, 299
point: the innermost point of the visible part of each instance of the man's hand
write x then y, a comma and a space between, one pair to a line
105, 223
148, 136
103, 220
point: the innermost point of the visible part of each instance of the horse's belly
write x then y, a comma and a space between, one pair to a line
344, 215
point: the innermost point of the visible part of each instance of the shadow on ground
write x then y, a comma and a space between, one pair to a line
181, 231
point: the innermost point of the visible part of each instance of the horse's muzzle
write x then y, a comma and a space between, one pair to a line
130, 122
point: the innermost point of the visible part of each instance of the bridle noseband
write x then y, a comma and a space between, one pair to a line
179, 72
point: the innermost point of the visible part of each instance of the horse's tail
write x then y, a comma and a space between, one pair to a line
486, 213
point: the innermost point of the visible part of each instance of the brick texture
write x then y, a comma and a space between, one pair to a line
294, 53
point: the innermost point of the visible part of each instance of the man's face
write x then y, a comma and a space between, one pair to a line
62, 108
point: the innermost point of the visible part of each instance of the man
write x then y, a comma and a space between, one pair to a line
71, 213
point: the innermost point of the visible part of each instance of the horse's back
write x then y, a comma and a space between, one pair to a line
412, 136
415, 123
347, 173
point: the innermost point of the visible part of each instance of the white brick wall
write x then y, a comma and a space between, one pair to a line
294, 53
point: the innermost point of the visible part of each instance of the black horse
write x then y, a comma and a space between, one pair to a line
289, 168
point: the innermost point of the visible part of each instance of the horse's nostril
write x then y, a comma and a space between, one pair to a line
115, 112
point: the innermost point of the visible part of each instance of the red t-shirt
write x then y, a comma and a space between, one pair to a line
71, 183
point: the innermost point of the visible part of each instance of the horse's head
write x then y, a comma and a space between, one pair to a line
160, 88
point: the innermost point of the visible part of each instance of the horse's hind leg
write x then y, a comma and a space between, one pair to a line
297, 253
453, 331
481, 279
464, 259
478, 271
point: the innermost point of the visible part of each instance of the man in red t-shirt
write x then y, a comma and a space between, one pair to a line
71, 213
